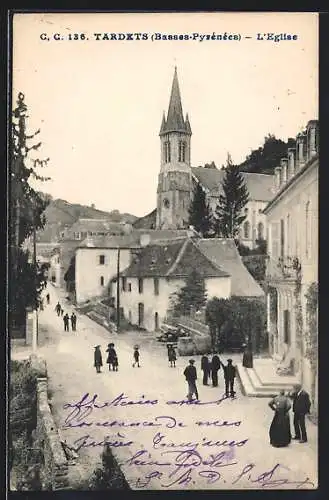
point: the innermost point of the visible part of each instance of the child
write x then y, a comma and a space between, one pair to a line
136, 356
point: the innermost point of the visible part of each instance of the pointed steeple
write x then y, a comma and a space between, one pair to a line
175, 119
187, 125
163, 124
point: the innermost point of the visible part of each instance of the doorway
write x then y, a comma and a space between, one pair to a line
156, 321
140, 314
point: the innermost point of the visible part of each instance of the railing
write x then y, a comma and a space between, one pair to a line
287, 267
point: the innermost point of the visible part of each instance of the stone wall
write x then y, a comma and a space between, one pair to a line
54, 466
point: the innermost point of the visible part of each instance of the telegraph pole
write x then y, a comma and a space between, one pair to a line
118, 290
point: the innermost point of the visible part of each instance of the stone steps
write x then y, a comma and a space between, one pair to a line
255, 384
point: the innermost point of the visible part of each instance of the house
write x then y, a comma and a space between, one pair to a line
84, 227
292, 266
158, 271
96, 260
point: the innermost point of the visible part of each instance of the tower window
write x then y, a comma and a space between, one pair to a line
246, 230
181, 151
102, 280
167, 152
166, 203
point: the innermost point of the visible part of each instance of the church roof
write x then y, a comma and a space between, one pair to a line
260, 186
175, 119
172, 259
224, 253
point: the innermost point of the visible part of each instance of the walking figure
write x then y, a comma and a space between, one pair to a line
191, 377
229, 376
301, 406
66, 320
215, 366
98, 361
73, 322
58, 308
172, 356
112, 358
48, 298
62, 311
205, 367
136, 356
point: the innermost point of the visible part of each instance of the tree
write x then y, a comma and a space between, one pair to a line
192, 295
26, 216
264, 159
200, 215
228, 215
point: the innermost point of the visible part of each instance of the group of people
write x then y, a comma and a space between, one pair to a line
210, 368
280, 433
112, 358
67, 318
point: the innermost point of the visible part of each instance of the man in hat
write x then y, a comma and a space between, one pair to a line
136, 356
98, 362
229, 376
191, 377
301, 407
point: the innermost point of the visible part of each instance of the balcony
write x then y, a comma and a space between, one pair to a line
283, 268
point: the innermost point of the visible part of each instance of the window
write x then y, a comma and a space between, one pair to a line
156, 286
286, 326
124, 283
102, 280
181, 151
246, 211
167, 152
288, 234
260, 231
166, 203
281, 238
102, 259
129, 287
140, 285
246, 230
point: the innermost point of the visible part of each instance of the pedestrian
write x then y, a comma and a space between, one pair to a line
66, 320
136, 356
48, 298
98, 361
73, 322
247, 360
215, 366
229, 376
301, 407
58, 308
191, 377
205, 367
115, 363
172, 356
280, 435
112, 358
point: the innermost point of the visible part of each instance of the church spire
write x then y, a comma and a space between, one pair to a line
175, 119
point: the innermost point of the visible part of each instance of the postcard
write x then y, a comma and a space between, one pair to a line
163, 243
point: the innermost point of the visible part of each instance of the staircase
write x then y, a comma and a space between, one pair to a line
262, 381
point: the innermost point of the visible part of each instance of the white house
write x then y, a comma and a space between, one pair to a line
292, 218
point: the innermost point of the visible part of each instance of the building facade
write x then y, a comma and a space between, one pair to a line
292, 268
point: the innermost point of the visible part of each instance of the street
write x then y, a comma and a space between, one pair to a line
160, 441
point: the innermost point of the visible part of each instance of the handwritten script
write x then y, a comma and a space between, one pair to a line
160, 447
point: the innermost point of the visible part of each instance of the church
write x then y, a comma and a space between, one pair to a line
177, 179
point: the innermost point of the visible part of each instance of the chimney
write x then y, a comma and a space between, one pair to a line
312, 132
93, 205
277, 174
145, 240
291, 162
300, 159
284, 169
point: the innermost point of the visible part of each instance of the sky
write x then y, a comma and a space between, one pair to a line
99, 103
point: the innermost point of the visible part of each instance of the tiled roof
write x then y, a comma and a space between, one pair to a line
174, 259
224, 253
148, 221
97, 225
260, 186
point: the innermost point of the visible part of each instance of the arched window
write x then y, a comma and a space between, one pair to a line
246, 230
260, 231
181, 151
167, 152
307, 230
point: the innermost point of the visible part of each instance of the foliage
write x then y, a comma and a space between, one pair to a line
26, 214
264, 159
256, 265
200, 215
311, 334
192, 295
210, 165
298, 303
109, 477
228, 214
240, 317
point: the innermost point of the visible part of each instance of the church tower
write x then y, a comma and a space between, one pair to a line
175, 177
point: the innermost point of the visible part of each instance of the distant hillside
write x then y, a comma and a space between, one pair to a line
60, 214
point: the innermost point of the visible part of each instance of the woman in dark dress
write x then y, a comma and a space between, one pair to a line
280, 434
98, 362
247, 360
205, 367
